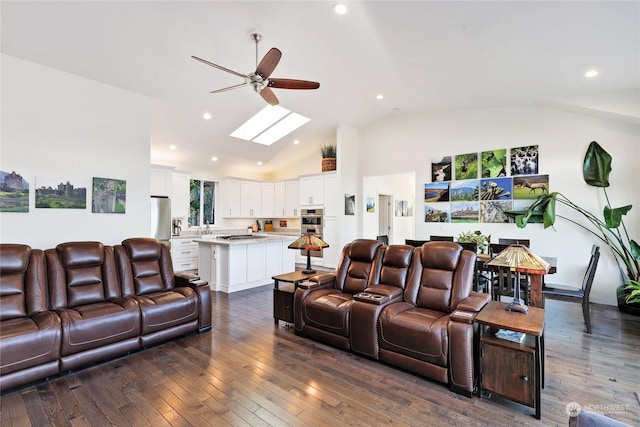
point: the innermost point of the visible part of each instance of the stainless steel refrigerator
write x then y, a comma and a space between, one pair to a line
161, 218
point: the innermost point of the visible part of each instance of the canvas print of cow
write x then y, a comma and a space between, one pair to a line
524, 160
530, 186
441, 169
494, 163
466, 166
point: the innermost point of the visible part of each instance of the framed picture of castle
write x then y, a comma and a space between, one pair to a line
61, 193
109, 195
14, 192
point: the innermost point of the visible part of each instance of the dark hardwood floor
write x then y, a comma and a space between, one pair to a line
247, 371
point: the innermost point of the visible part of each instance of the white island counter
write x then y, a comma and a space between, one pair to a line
236, 264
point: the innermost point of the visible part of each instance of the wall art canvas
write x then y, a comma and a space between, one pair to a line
530, 186
523, 205
441, 169
494, 210
349, 204
371, 205
109, 195
524, 160
465, 191
14, 192
466, 166
61, 193
437, 212
436, 192
494, 163
496, 189
465, 211
403, 208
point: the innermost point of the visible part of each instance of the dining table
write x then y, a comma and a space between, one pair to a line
536, 277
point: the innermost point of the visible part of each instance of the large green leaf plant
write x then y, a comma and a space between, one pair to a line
610, 228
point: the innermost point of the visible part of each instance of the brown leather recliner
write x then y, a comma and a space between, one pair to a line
431, 332
98, 322
146, 275
396, 272
322, 306
30, 334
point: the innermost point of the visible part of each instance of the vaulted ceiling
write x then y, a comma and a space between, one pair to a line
423, 56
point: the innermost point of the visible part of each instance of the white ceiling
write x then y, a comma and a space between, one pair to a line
422, 55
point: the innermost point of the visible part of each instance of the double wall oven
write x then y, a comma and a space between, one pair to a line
311, 222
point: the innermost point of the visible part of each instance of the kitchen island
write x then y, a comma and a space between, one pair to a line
236, 263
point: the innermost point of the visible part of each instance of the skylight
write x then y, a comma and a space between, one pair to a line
269, 125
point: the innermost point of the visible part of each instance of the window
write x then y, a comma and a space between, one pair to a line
201, 202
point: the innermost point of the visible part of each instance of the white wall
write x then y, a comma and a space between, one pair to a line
349, 182
408, 143
55, 124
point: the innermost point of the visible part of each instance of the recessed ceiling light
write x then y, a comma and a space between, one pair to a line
206, 116
340, 9
172, 147
259, 163
214, 159
295, 141
591, 73
379, 96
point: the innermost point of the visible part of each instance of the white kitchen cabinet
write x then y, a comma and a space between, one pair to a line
256, 262
268, 206
292, 198
311, 190
184, 254
280, 199
180, 195
250, 199
161, 181
230, 191
331, 195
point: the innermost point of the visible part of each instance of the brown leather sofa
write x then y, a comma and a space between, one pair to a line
83, 302
415, 313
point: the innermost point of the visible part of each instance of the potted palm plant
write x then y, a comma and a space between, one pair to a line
328, 152
609, 228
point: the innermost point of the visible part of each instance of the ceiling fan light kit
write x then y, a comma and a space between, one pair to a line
259, 79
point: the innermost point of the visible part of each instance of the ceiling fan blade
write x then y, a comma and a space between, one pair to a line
269, 63
293, 84
269, 96
220, 67
224, 89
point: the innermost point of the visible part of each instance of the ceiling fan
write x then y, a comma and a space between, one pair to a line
259, 80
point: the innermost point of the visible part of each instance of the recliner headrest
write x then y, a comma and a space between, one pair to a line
364, 249
398, 256
441, 255
81, 254
14, 258
142, 248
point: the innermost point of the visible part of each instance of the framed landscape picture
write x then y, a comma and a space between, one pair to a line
524, 160
14, 192
530, 186
441, 169
493, 163
466, 166
109, 195
61, 193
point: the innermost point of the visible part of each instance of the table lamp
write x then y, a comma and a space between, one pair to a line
520, 259
309, 242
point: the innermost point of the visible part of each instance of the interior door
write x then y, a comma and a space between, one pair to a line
385, 215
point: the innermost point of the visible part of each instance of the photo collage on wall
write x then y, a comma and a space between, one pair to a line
108, 195
483, 186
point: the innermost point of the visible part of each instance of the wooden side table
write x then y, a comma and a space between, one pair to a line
283, 296
514, 371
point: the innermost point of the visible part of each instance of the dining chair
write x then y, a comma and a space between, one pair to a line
480, 280
523, 242
384, 239
415, 243
576, 294
441, 238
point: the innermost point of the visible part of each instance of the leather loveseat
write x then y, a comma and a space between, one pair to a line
416, 312
84, 302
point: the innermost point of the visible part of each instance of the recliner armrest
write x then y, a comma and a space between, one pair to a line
325, 278
469, 307
184, 279
379, 294
309, 284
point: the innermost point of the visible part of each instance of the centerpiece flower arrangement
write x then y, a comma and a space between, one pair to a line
475, 237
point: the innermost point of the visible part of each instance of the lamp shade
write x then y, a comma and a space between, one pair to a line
309, 242
520, 258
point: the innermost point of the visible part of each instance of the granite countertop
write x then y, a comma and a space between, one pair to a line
241, 240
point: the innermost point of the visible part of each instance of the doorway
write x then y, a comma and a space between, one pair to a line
385, 216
